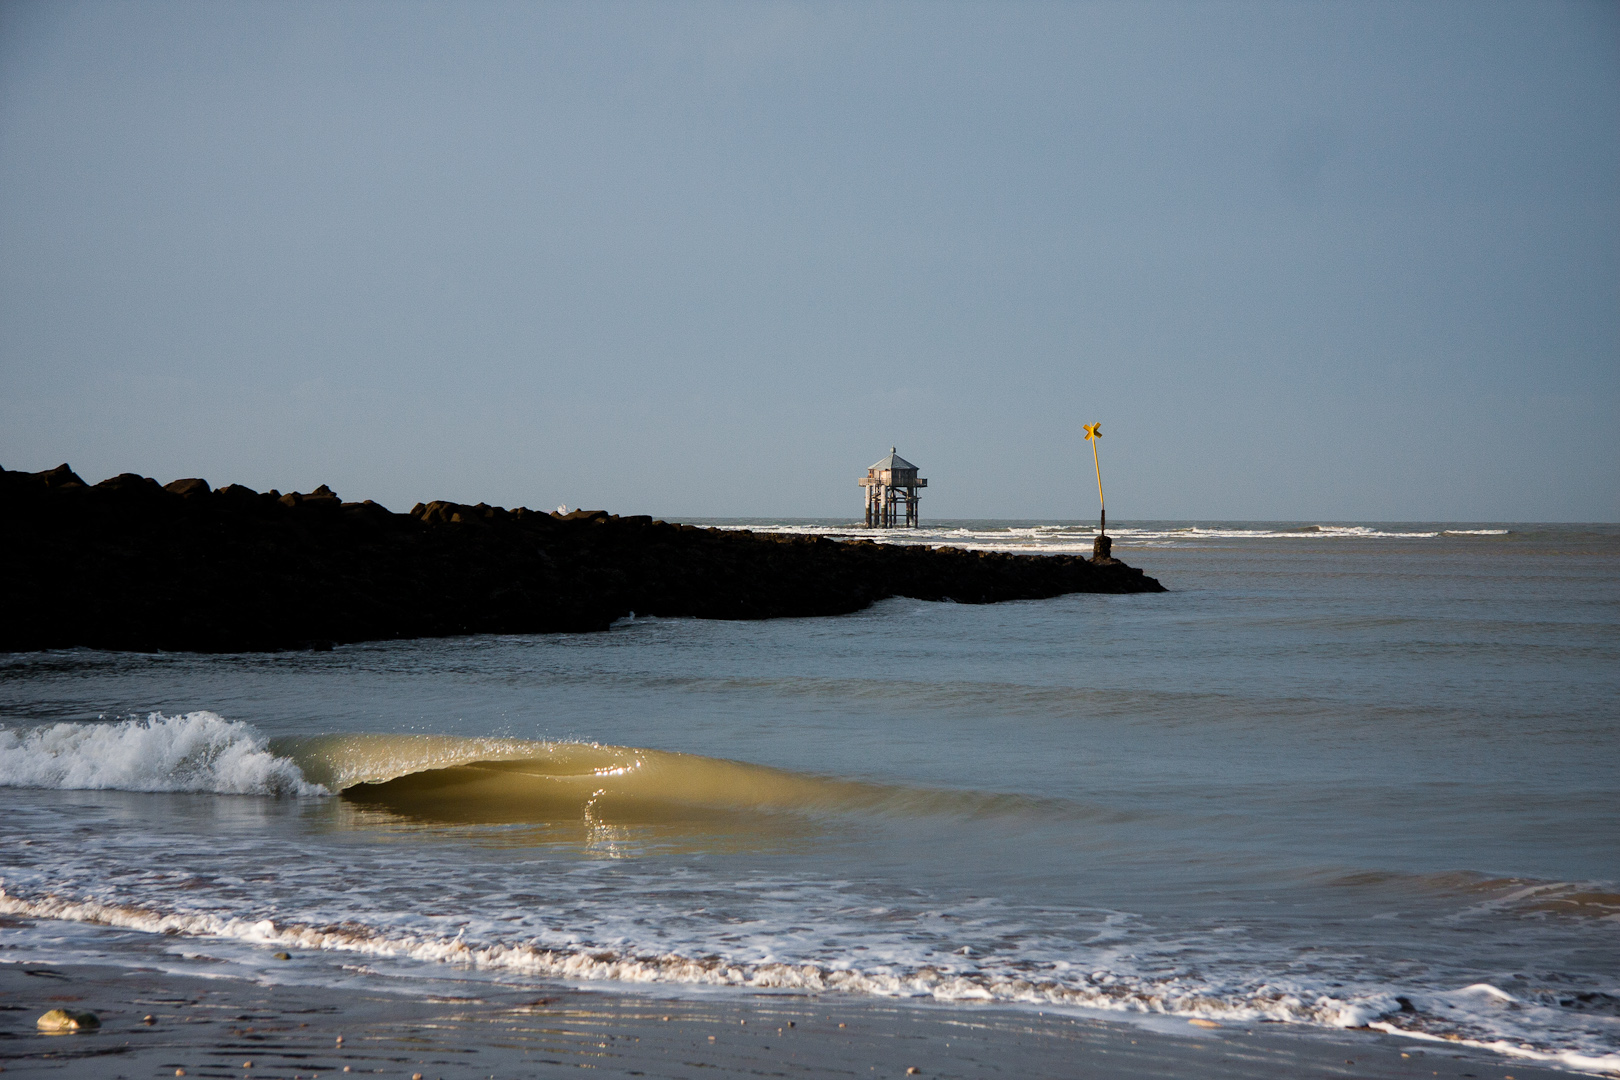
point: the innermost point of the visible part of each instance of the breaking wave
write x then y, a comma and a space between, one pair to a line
199, 751
450, 778
517, 780
486, 780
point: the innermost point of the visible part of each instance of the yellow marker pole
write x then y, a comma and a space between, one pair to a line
1093, 436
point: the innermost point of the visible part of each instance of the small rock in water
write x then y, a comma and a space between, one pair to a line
148, 1019
67, 1020
283, 956
1203, 1023
179, 1072
912, 1070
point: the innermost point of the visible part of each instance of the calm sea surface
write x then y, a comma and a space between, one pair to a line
1338, 775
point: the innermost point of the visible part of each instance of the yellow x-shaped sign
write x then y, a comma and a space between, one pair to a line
1093, 431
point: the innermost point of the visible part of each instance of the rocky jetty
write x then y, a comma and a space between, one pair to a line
132, 564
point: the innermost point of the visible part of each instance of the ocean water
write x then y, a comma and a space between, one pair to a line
1340, 775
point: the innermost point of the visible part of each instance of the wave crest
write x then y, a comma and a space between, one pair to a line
199, 751
456, 779
509, 781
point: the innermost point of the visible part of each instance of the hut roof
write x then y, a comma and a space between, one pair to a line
893, 461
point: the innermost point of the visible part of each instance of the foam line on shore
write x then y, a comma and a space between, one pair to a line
593, 963
194, 1025
1098, 992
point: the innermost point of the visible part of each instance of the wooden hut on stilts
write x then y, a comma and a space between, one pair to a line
891, 490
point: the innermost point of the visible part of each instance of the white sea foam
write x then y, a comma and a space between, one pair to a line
1106, 990
199, 751
1489, 1018
1479, 1015
1074, 539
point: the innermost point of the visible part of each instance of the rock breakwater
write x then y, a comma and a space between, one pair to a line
132, 564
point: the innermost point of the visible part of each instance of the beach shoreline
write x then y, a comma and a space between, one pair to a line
216, 1026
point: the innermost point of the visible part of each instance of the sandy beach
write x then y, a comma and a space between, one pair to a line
216, 1027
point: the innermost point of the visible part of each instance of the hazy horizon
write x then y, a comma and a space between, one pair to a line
1339, 262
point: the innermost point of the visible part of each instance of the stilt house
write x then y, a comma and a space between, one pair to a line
891, 489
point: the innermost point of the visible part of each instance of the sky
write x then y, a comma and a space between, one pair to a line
1325, 261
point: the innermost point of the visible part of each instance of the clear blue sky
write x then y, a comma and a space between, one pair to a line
1302, 260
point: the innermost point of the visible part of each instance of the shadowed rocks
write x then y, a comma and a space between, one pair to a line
131, 564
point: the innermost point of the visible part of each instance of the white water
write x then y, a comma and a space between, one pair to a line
199, 751
1479, 1006
1072, 538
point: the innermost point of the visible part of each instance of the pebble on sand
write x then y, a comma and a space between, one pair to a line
67, 1020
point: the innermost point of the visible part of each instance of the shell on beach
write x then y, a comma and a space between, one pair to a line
58, 1020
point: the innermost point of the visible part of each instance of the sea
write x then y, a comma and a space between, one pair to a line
1340, 775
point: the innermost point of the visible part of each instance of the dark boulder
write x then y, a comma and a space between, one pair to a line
60, 477
192, 488
130, 484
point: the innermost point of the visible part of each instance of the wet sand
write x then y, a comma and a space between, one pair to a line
216, 1027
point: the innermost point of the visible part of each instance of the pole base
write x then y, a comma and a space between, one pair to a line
1102, 547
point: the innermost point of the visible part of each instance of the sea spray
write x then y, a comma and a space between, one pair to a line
198, 751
